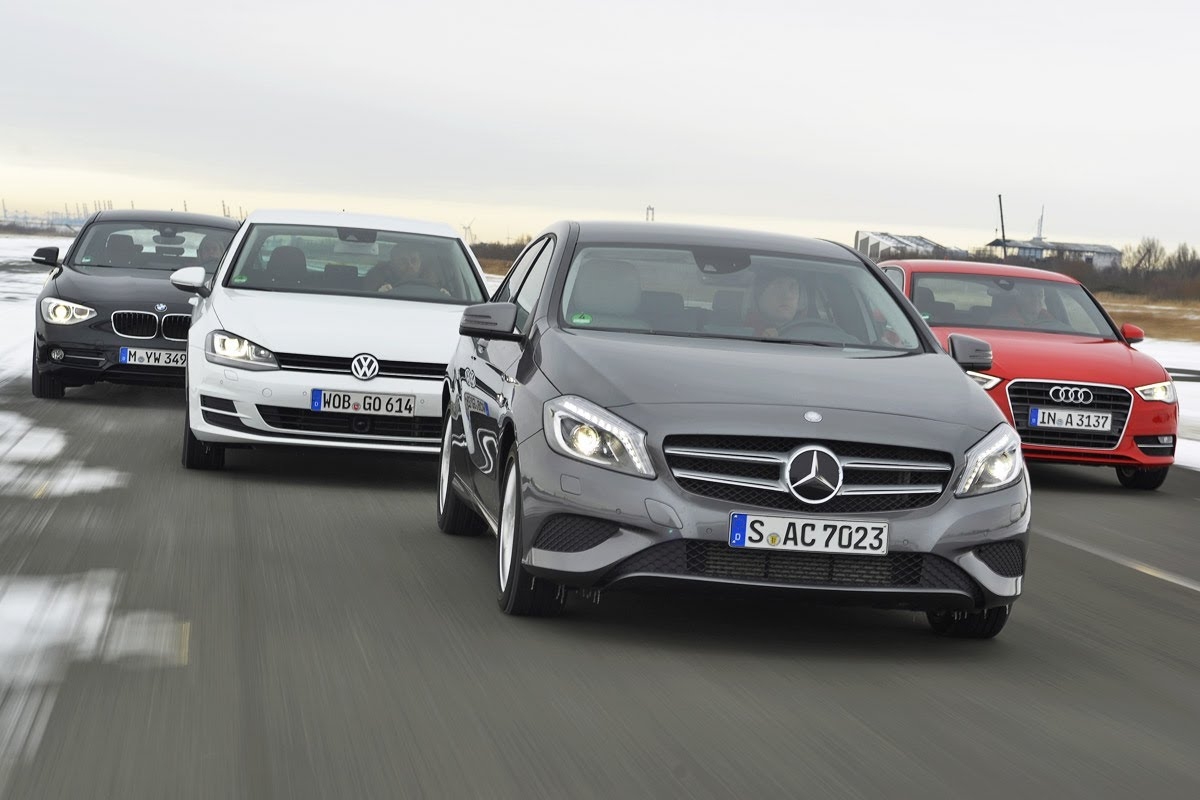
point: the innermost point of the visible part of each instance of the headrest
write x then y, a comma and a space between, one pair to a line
923, 297
287, 263
606, 286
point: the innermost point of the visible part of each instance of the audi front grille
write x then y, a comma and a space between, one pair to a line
135, 324
752, 471
1023, 395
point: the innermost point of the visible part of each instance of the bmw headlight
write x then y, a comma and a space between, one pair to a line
983, 379
1158, 392
993, 463
64, 312
234, 351
584, 431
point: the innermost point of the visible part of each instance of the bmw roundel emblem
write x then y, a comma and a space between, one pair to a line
160, 307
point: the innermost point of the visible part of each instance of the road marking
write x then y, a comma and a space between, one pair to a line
41, 490
1117, 558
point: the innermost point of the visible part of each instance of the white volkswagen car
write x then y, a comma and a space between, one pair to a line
325, 329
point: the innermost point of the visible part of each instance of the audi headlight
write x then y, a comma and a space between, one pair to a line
1158, 392
993, 463
983, 379
234, 351
586, 432
64, 312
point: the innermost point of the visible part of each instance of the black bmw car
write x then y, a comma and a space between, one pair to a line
108, 311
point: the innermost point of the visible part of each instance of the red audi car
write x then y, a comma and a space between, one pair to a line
1064, 374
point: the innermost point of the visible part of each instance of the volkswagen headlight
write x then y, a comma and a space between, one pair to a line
234, 351
993, 463
64, 312
1158, 392
586, 432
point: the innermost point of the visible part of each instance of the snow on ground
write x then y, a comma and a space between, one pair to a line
21, 281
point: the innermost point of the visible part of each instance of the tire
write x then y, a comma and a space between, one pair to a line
198, 454
969, 625
46, 387
520, 594
454, 516
1144, 478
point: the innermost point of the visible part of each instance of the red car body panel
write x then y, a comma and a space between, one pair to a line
1062, 358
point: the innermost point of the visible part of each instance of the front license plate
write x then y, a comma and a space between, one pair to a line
396, 405
153, 358
1069, 419
808, 534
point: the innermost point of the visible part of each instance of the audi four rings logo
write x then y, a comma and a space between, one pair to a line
364, 367
814, 474
1071, 394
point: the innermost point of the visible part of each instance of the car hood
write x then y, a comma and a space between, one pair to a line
616, 370
107, 286
1063, 357
327, 325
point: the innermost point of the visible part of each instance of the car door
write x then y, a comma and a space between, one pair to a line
477, 400
495, 380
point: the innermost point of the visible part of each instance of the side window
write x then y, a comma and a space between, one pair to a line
516, 274
527, 297
896, 276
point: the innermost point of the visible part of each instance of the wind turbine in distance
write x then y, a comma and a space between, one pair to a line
468, 234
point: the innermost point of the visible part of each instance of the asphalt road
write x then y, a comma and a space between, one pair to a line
296, 626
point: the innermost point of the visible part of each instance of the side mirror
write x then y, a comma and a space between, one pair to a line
1132, 333
191, 279
490, 321
970, 353
46, 255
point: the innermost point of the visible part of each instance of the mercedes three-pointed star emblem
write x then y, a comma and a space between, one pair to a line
814, 474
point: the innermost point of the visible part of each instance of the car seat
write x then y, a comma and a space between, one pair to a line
607, 292
287, 266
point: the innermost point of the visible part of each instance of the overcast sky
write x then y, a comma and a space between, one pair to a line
810, 118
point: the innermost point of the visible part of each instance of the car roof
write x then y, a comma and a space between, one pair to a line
979, 268
659, 233
343, 219
178, 217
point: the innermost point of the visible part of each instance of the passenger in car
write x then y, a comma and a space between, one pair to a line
403, 266
779, 300
210, 250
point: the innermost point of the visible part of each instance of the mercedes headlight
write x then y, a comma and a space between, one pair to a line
234, 351
993, 463
64, 312
586, 432
983, 379
1158, 392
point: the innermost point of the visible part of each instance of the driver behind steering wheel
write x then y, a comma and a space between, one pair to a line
779, 300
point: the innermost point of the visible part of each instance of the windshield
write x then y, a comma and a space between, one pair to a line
990, 301
354, 261
732, 293
161, 246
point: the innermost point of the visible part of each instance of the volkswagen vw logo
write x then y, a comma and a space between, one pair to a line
160, 307
364, 367
814, 474
1071, 394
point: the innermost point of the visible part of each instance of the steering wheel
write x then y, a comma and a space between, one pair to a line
819, 330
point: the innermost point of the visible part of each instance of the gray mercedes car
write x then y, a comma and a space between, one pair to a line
649, 404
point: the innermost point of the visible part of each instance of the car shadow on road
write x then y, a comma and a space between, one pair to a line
1075, 479
122, 397
331, 467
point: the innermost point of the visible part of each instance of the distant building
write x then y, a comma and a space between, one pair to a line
1100, 256
879, 246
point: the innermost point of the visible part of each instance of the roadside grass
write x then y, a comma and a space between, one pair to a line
1160, 319
495, 266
